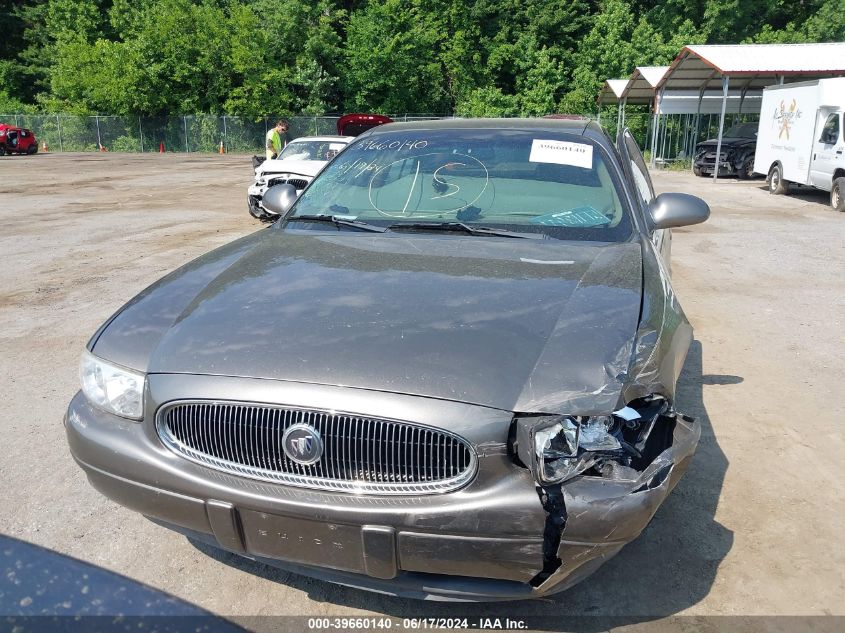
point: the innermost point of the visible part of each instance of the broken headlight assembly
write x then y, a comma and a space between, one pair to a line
559, 447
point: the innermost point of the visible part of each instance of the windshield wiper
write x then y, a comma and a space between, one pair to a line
338, 221
466, 228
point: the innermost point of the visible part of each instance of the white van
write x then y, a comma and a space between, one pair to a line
800, 138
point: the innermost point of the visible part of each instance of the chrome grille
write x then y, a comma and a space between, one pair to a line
298, 183
360, 454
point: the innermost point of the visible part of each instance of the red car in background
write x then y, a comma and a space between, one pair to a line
17, 140
357, 123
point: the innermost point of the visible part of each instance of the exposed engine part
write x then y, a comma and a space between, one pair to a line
559, 448
617, 472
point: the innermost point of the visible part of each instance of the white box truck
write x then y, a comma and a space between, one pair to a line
800, 138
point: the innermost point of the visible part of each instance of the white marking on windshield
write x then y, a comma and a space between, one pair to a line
411, 191
437, 178
471, 162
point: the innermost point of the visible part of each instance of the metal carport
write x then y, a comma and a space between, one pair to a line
752, 67
611, 92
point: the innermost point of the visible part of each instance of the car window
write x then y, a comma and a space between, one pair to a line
830, 131
310, 150
543, 182
639, 171
742, 130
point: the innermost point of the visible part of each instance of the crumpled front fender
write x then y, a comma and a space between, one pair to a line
604, 515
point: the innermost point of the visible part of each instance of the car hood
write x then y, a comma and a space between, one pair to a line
520, 325
290, 166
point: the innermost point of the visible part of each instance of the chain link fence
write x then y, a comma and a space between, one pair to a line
675, 138
193, 133
676, 135
189, 133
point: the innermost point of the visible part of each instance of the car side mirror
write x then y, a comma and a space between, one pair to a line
677, 209
279, 199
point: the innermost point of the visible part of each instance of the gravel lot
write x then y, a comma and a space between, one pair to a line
754, 528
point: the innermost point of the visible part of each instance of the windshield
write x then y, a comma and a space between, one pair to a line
742, 130
527, 181
310, 150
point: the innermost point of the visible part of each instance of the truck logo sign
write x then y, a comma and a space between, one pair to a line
785, 118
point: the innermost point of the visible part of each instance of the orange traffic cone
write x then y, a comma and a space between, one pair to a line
161, 148
44, 147
222, 149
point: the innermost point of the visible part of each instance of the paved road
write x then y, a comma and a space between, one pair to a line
754, 528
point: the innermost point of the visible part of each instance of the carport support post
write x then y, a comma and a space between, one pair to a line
141, 134
618, 117
99, 143
624, 107
697, 124
59, 129
654, 129
185, 125
725, 81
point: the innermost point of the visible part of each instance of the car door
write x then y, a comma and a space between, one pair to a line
827, 152
635, 169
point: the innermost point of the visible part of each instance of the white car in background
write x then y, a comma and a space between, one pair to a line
296, 165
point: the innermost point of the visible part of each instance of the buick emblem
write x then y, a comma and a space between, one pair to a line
302, 444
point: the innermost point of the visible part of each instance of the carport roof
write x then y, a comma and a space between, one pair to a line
757, 65
642, 82
612, 90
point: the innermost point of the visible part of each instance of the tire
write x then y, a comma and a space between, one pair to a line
777, 185
697, 171
837, 195
255, 209
32, 149
746, 171
2, 150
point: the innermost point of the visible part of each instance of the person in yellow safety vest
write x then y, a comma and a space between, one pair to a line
276, 139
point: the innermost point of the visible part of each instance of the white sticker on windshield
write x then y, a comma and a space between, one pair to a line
561, 153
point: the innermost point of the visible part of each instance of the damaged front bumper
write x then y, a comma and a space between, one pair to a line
603, 515
495, 539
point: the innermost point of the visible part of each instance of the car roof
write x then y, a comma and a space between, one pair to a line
576, 126
571, 126
332, 139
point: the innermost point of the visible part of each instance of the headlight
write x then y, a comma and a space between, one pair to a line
114, 389
557, 448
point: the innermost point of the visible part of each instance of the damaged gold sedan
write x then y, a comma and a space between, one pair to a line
447, 372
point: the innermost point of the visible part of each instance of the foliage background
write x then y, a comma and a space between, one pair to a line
261, 57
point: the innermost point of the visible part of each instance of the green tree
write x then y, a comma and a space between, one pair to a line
391, 57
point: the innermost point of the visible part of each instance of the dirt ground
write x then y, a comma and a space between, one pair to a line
754, 528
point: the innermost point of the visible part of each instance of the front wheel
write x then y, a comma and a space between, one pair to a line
32, 149
697, 170
777, 185
255, 209
837, 194
746, 171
